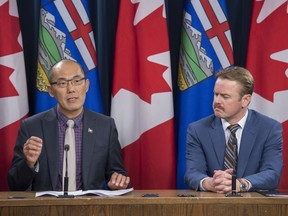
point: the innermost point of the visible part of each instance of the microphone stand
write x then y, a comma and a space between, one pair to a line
66, 178
234, 193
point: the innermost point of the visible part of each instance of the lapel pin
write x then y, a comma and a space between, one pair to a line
90, 130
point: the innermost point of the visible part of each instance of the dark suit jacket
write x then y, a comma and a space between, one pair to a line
101, 152
260, 156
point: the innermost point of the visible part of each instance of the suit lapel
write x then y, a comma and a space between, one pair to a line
247, 143
50, 131
218, 140
89, 134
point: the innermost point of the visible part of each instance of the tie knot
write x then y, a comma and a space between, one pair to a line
233, 128
70, 123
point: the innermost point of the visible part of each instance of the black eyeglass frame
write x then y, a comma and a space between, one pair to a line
72, 81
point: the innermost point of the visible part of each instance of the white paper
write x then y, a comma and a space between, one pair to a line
87, 192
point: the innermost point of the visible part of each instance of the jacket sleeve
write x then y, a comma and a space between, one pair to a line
20, 175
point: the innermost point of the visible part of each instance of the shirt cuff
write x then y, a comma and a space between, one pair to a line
36, 167
201, 184
249, 184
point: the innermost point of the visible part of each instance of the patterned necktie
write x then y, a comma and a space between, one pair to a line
71, 156
231, 156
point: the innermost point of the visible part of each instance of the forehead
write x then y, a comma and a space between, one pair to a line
66, 71
226, 86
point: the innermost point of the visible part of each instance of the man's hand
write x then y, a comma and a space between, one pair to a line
221, 182
32, 149
118, 181
208, 184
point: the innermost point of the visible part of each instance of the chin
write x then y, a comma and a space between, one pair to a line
217, 113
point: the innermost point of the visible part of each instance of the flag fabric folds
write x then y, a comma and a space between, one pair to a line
206, 47
267, 60
142, 99
66, 33
13, 94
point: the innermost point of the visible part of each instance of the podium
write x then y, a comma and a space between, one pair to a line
168, 202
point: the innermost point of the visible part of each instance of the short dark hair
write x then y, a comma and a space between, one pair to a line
240, 75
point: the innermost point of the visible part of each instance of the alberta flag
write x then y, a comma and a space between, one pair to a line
66, 33
267, 60
13, 92
206, 47
142, 97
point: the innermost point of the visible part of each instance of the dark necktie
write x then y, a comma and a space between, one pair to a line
231, 156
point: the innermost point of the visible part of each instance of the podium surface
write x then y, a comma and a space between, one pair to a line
144, 202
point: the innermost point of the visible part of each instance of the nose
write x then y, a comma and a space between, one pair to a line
70, 87
217, 99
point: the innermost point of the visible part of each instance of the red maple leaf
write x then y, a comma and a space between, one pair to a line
7, 88
267, 38
134, 44
9, 32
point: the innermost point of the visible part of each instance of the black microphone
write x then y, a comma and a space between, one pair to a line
234, 174
66, 178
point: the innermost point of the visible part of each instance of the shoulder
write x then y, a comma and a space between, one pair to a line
262, 123
206, 122
48, 114
90, 115
259, 118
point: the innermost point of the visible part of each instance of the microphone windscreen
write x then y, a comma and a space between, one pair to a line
66, 147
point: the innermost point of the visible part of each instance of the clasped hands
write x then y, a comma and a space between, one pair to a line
221, 182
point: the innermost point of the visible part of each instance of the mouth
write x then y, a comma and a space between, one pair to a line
72, 99
218, 108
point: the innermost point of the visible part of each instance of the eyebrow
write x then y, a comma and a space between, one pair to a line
222, 94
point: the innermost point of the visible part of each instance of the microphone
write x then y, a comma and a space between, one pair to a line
66, 178
234, 193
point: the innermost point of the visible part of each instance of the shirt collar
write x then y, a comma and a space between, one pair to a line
241, 123
63, 119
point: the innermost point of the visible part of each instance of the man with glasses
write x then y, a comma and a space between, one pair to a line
39, 152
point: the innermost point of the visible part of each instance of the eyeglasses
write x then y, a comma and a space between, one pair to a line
62, 83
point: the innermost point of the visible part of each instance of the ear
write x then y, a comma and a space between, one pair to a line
50, 90
87, 84
246, 99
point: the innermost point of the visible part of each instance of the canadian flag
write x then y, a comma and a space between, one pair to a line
13, 93
142, 101
267, 60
